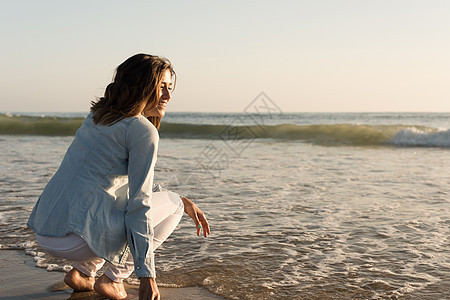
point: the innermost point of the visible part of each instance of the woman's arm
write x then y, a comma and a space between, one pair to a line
142, 144
197, 215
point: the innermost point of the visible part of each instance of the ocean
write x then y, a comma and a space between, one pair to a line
301, 205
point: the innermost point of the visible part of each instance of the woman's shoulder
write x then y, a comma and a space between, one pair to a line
139, 127
133, 128
141, 122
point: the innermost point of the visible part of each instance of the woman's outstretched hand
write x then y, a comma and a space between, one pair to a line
197, 215
148, 290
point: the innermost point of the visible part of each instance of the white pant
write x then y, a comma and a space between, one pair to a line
166, 213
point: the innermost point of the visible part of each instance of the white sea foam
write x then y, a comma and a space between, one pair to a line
417, 137
19, 246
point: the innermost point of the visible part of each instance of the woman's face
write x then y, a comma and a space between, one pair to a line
164, 97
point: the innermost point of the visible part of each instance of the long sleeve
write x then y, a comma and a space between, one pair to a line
143, 145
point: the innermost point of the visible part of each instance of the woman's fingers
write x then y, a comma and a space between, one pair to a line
197, 225
205, 224
148, 289
208, 231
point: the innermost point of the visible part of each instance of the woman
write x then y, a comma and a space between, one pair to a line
100, 204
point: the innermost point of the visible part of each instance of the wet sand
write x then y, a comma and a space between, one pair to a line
40, 284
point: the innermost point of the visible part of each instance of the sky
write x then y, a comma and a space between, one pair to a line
306, 56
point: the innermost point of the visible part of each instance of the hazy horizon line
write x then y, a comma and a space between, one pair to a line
242, 112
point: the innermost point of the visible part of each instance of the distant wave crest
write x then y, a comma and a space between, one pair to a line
45, 125
320, 134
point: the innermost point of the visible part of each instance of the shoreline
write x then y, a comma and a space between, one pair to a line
21, 279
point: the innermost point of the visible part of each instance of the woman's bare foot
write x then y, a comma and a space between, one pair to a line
108, 288
79, 281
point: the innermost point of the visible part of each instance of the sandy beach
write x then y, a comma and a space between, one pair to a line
40, 284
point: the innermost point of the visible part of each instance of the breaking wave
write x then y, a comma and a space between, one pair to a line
321, 134
419, 137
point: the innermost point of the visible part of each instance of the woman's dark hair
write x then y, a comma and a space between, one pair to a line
136, 83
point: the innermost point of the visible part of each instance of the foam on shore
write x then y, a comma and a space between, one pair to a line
22, 280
